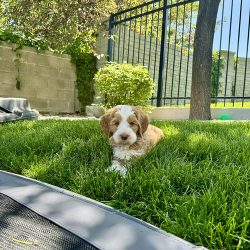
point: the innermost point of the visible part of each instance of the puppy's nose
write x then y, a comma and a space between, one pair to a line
124, 137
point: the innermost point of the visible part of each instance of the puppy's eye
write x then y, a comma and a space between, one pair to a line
116, 123
132, 123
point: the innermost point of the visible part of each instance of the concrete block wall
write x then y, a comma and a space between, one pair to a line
47, 79
227, 74
243, 77
231, 77
177, 78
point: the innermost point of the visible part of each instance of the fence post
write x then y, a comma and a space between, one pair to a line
110, 41
162, 54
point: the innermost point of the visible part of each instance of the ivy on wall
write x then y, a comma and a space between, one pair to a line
85, 61
17, 65
22, 39
217, 68
81, 55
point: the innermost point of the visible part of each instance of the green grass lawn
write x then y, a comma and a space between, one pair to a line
194, 183
231, 105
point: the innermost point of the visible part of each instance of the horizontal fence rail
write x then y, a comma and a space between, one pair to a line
160, 35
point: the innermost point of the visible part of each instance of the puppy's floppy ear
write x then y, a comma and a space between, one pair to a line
142, 119
105, 120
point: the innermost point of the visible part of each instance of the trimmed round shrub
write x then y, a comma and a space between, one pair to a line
124, 84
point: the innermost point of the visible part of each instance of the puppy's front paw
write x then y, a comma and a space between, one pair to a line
116, 166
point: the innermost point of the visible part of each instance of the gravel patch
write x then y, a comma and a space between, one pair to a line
71, 117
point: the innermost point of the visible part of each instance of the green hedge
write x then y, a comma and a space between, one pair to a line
85, 71
124, 84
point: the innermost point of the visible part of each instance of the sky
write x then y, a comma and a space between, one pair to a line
244, 27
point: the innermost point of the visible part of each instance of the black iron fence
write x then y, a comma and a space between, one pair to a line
160, 34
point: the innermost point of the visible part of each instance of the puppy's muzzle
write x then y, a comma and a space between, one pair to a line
124, 137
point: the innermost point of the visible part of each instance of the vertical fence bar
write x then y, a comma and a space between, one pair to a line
162, 53
150, 41
182, 41
156, 49
139, 46
150, 48
119, 41
110, 41
156, 45
114, 41
129, 37
135, 22
166, 78
229, 43
176, 27
188, 58
237, 54
245, 73
145, 38
124, 36
219, 56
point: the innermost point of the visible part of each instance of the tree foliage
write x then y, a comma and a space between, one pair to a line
59, 22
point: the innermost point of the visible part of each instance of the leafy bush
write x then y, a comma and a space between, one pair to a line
23, 39
124, 84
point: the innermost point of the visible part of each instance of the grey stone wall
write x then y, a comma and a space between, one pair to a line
47, 80
230, 77
140, 49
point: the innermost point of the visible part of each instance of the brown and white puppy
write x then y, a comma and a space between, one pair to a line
130, 134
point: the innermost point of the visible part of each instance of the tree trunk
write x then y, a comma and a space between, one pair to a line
202, 60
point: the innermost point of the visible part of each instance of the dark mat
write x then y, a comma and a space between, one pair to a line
21, 228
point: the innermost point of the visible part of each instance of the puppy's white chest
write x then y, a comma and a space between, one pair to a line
124, 153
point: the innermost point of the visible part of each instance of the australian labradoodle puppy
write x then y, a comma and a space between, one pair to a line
130, 134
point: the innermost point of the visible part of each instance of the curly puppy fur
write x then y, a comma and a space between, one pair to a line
130, 134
